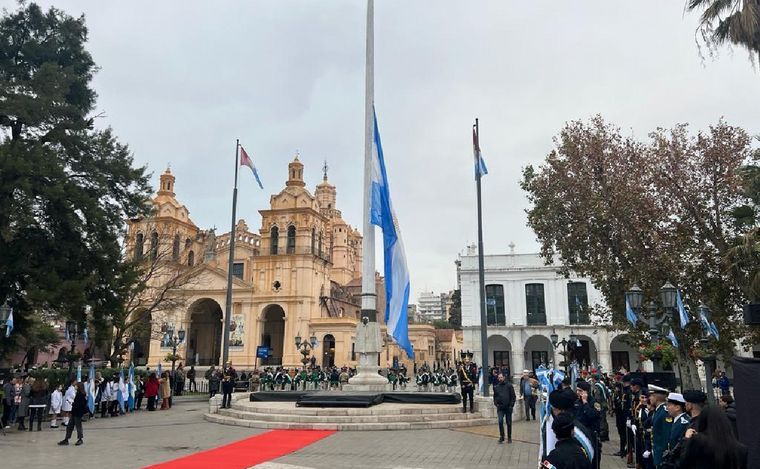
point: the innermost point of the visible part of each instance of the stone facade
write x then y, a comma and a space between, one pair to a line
299, 275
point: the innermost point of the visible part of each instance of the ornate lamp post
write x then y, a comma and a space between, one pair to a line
658, 324
568, 346
305, 348
72, 330
174, 341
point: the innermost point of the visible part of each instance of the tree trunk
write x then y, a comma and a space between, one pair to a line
689, 374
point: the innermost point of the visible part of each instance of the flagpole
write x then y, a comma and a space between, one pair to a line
228, 305
368, 243
481, 273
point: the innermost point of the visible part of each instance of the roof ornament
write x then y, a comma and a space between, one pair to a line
324, 171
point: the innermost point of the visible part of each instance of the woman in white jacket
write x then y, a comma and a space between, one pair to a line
68, 400
56, 401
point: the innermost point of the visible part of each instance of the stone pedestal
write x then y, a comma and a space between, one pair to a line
214, 404
369, 345
484, 405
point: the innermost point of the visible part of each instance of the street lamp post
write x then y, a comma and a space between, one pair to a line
657, 324
568, 346
305, 348
71, 331
174, 341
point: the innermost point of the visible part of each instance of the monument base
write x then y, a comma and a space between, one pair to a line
368, 387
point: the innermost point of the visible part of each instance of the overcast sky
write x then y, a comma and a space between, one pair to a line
181, 80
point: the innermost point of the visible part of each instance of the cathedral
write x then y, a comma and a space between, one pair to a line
298, 277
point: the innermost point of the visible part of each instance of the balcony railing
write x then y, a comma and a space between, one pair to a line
537, 319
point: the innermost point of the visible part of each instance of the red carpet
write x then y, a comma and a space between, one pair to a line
249, 452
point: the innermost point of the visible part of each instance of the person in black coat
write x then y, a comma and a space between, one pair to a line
567, 453
504, 399
712, 444
78, 409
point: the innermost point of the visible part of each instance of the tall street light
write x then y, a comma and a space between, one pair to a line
568, 346
658, 324
174, 341
305, 348
71, 331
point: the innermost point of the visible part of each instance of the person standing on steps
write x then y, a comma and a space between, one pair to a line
504, 399
467, 379
78, 409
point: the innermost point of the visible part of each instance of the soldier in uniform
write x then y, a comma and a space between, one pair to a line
601, 396
622, 408
636, 385
641, 412
567, 452
467, 379
660, 421
677, 410
588, 413
563, 401
695, 402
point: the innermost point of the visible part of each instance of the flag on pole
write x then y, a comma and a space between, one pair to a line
480, 164
246, 160
85, 336
91, 389
630, 313
481, 382
131, 388
672, 337
708, 325
9, 324
120, 391
682, 314
79, 373
394, 259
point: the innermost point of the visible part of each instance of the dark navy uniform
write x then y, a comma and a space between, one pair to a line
567, 454
661, 426
468, 377
678, 430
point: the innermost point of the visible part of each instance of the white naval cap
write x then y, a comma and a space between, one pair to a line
675, 397
657, 389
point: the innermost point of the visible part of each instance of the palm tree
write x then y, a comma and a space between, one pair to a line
736, 21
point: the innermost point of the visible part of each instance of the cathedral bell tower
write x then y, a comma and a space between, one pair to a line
295, 173
167, 183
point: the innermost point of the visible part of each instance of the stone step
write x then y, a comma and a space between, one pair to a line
441, 424
407, 409
367, 418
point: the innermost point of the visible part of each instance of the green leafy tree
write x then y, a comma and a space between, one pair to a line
441, 324
621, 211
733, 21
65, 187
455, 313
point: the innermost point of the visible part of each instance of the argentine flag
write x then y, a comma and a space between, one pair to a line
120, 390
131, 388
90, 388
682, 314
394, 259
9, 324
630, 314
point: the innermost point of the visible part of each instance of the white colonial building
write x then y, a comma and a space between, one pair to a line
528, 302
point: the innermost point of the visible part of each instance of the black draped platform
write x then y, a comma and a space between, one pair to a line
354, 399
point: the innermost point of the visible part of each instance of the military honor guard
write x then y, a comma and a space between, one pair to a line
467, 375
567, 453
661, 423
696, 400
564, 401
601, 395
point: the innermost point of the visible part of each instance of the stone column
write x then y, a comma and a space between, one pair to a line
603, 351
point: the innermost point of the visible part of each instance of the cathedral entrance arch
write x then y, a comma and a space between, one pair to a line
205, 334
328, 351
273, 333
141, 337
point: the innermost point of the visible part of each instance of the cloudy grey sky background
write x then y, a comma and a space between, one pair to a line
180, 80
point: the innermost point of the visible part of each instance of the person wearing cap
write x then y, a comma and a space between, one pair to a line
526, 392
467, 376
567, 453
622, 412
661, 423
601, 396
677, 410
587, 411
641, 416
695, 402
563, 401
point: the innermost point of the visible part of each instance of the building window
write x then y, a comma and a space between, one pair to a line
501, 358
175, 248
313, 240
577, 303
538, 358
139, 245
237, 270
188, 243
495, 314
353, 351
153, 245
191, 258
534, 304
274, 239
620, 360
291, 239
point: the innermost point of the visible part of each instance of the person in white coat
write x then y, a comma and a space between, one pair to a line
68, 400
56, 402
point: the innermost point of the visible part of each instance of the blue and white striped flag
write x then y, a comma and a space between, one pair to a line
120, 391
480, 164
9, 324
131, 388
630, 313
672, 338
682, 314
90, 388
708, 326
396, 273
79, 373
85, 336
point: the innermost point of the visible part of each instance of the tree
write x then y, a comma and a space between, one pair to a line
39, 337
65, 187
455, 313
622, 211
441, 324
734, 21
147, 289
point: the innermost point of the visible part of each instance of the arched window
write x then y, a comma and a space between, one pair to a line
577, 303
175, 249
313, 241
153, 245
191, 258
188, 243
319, 245
535, 305
495, 314
291, 239
275, 239
139, 246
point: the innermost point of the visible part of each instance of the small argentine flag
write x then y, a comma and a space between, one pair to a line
246, 160
9, 324
480, 164
682, 314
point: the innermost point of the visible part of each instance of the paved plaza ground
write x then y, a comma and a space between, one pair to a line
147, 438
